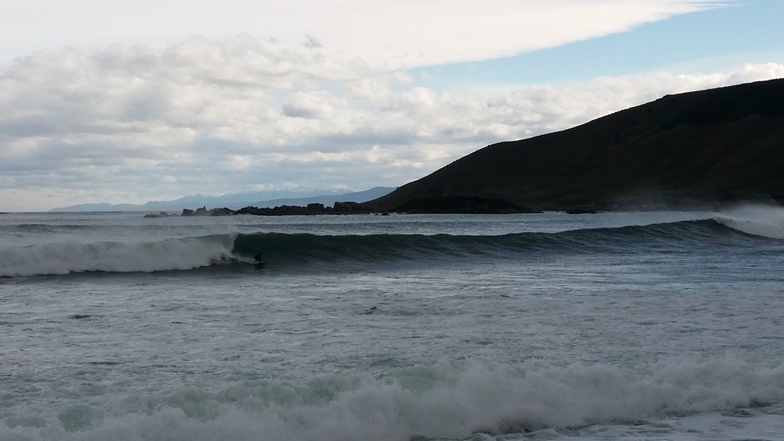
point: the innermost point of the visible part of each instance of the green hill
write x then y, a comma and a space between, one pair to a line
705, 147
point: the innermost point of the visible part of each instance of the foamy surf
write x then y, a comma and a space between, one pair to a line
759, 220
122, 257
450, 400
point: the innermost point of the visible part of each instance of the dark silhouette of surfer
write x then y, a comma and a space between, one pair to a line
259, 263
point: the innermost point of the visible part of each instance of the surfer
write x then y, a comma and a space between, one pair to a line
258, 262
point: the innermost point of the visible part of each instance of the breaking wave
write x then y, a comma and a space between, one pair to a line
287, 251
451, 399
759, 220
146, 256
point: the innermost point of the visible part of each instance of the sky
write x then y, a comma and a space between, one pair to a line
129, 102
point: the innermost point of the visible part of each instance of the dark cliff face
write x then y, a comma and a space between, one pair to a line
709, 146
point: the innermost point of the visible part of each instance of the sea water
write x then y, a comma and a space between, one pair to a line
645, 326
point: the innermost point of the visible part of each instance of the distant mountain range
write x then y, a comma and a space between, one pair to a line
694, 149
238, 200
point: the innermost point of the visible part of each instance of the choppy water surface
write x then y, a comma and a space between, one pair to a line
663, 326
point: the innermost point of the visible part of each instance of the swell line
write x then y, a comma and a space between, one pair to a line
301, 250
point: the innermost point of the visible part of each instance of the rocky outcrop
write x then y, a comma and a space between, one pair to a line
286, 210
203, 211
155, 215
464, 205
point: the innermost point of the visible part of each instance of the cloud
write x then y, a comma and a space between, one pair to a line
143, 121
312, 42
313, 105
385, 33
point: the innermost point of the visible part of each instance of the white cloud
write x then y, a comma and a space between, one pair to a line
313, 105
138, 122
385, 33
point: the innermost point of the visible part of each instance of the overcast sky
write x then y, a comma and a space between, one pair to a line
109, 101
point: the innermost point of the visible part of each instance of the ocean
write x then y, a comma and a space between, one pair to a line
609, 326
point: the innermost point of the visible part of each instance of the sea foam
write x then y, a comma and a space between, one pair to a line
448, 400
759, 220
140, 256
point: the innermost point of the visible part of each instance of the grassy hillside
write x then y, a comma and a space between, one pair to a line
709, 146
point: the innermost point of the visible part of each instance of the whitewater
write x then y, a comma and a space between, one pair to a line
608, 326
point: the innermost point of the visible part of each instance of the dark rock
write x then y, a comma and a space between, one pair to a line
155, 215
221, 212
310, 210
458, 205
351, 208
582, 209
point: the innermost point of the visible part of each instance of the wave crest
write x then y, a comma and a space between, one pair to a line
759, 220
312, 251
148, 256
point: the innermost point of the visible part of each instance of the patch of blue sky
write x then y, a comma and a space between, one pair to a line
714, 39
